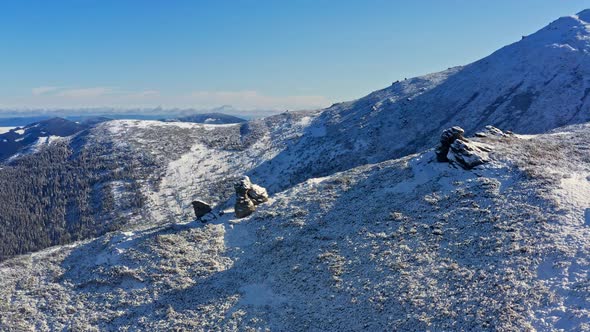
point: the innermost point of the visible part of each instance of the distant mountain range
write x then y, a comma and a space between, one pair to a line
12, 118
208, 118
20, 138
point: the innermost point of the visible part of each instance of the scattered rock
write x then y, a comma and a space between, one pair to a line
201, 208
248, 195
456, 148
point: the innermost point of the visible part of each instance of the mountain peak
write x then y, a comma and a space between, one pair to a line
584, 15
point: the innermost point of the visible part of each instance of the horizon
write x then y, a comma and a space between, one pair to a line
259, 57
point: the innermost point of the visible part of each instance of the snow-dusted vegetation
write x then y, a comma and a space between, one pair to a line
370, 224
404, 244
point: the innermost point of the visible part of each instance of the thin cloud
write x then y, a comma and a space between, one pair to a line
85, 92
252, 99
44, 89
117, 98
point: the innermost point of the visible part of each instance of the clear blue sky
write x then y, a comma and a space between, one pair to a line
252, 54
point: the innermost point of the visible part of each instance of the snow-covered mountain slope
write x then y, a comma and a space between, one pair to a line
532, 86
201, 161
21, 139
407, 244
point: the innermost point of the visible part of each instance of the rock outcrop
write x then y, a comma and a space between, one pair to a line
468, 154
447, 138
248, 195
457, 149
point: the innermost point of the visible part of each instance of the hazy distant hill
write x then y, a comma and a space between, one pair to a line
209, 118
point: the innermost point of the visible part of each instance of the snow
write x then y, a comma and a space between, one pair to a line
576, 188
377, 247
5, 129
259, 295
19, 131
364, 230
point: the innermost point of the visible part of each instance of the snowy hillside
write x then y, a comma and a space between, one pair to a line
364, 230
408, 244
534, 85
21, 139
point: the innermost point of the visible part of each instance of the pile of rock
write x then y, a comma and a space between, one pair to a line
248, 195
458, 149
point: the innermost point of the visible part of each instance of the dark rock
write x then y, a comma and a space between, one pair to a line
201, 208
242, 186
447, 138
458, 149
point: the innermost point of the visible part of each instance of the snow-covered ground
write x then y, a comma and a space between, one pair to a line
407, 244
364, 229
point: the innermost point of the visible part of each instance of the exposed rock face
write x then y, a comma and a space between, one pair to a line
201, 208
447, 138
458, 149
248, 195
468, 154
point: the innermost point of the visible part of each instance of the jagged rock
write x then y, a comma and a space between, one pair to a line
201, 208
244, 207
447, 138
248, 195
468, 154
456, 148
257, 194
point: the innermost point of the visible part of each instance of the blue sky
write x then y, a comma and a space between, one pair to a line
250, 54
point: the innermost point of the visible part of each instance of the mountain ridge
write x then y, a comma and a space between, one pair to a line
364, 229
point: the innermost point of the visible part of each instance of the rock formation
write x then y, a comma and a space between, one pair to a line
447, 138
458, 149
468, 154
248, 195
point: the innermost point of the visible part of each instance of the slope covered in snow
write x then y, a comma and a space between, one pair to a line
364, 228
532, 86
408, 244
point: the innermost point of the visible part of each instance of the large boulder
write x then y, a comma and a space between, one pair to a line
248, 195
